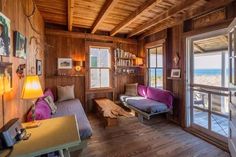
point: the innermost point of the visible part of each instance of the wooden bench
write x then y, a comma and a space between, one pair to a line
109, 111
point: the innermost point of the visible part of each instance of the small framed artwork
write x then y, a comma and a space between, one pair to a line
39, 68
20, 43
175, 73
5, 34
65, 63
5, 77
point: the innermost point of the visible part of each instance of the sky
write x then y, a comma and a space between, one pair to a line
207, 61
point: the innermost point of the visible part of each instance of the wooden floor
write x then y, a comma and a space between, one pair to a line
155, 138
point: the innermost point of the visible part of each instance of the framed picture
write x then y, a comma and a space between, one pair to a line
5, 77
5, 34
20, 43
65, 63
175, 73
39, 67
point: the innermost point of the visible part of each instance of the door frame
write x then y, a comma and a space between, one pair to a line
189, 78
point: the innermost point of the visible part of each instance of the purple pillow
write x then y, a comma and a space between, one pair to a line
142, 90
47, 93
42, 111
160, 95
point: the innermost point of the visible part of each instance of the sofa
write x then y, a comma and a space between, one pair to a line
149, 101
69, 107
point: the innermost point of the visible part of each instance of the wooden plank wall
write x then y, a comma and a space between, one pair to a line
14, 106
64, 44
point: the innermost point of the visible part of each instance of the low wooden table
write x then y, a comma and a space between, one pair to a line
109, 111
56, 134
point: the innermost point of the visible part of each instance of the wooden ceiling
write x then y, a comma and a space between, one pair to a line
131, 17
213, 44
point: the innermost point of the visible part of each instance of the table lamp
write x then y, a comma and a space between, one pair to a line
5, 86
32, 90
139, 61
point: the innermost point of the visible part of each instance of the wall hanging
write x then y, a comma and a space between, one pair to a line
39, 68
64, 63
20, 43
20, 70
4, 35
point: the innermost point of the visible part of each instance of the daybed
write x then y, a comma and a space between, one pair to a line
148, 101
69, 107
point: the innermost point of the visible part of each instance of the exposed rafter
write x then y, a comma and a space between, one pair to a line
157, 20
133, 16
107, 7
209, 6
197, 47
70, 14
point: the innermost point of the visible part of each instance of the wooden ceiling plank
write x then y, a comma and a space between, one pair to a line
198, 48
210, 6
174, 10
107, 7
71, 4
133, 16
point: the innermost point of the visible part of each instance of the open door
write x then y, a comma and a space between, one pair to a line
232, 88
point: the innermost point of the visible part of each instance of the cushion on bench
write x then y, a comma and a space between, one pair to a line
146, 105
74, 107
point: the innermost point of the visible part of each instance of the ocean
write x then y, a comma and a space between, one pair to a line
209, 72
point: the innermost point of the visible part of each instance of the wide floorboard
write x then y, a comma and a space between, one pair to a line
155, 138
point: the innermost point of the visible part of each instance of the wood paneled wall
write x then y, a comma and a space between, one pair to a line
75, 46
14, 106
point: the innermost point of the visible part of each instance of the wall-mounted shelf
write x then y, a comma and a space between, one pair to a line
173, 78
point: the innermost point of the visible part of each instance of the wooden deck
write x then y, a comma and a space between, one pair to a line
153, 138
219, 124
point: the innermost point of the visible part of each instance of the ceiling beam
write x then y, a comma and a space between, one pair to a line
209, 6
172, 11
134, 15
197, 47
106, 8
70, 14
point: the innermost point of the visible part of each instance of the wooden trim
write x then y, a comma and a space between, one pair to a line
89, 36
107, 7
134, 15
222, 25
154, 43
218, 143
167, 14
70, 14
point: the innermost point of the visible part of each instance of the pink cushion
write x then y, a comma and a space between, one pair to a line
42, 111
142, 90
160, 95
47, 92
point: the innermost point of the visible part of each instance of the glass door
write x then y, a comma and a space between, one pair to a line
208, 84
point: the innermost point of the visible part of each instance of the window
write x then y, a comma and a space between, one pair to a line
99, 67
155, 67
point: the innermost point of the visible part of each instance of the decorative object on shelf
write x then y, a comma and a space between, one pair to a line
64, 63
78, 65
176, 59
20, 43
39, 68
32, 90
5, 34
5, 76
139, 61
20, 70
175, 73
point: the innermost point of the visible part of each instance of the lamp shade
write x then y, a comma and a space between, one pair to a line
139, 61
32, 88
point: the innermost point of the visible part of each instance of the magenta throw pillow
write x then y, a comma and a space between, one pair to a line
142, 90
42, 111
160, 95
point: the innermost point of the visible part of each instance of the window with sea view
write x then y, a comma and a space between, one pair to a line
155, 67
